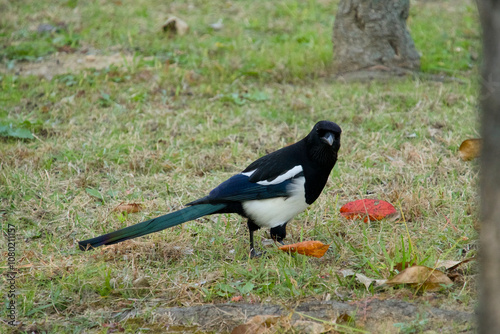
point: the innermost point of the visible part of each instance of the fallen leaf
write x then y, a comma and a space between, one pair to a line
372, 209
141, 282
66, 48
344, 318
7, 130
217, 25
347, 272
452, 268
366, 281
128, 208
258, 324
310, 248
175, 25
402, 266
446, 263
451, 265
460, 263
470, 149
421, 276
237, 299
94, 193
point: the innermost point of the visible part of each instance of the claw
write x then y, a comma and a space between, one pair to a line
254, 254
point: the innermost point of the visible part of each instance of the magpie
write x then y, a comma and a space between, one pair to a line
269, 192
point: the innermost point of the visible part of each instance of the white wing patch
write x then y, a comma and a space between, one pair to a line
250, 173
272, 212
283, 177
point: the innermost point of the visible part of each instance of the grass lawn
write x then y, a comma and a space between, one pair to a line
170, 117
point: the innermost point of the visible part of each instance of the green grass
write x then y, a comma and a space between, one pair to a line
185, 113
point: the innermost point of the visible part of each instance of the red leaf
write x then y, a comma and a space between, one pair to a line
373, 209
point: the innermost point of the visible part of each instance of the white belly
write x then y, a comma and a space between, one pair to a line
272, 212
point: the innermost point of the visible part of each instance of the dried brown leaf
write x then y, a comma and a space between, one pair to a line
175, 25
460, 263
421, 276
452, 265
401, 266
446, 263
366, 281
470, 149
128, 207
256, 325
141, 282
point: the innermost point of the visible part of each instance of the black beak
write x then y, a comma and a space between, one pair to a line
328, 138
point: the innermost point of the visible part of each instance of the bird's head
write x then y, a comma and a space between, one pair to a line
324, 141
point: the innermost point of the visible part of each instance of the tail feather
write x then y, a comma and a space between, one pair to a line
151, 226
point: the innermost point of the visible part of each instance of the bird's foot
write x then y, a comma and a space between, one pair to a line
255, 255
277, 240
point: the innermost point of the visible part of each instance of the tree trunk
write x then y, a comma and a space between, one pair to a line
489, 303
367, 33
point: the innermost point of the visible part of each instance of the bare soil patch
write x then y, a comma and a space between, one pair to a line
374, 315
62, 63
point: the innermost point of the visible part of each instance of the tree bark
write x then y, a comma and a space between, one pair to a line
367, 33
489, 304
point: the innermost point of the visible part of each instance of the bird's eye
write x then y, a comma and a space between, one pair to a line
322, 133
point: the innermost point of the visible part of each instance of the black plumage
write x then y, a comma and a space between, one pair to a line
269, 192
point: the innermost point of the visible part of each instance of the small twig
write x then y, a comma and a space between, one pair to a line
448, 221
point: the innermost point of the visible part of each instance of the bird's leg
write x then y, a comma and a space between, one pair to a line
253, 253
278, 233
252, 227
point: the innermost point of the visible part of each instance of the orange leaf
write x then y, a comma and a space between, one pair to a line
237, 299
310, 248
374, 209
470, 149
128, 208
